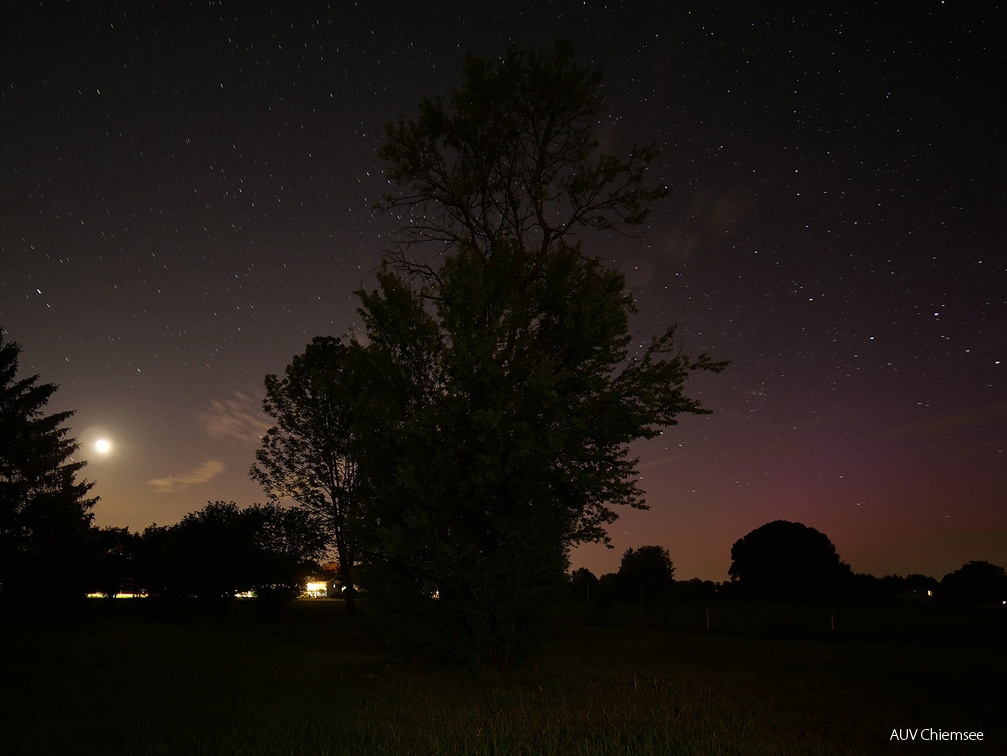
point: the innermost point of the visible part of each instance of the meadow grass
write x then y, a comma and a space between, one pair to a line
317, 683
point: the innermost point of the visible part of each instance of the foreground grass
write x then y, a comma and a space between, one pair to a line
316, 684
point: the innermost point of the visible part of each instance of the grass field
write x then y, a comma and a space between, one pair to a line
766, 681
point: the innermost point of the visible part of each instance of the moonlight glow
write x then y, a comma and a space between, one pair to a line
102, 446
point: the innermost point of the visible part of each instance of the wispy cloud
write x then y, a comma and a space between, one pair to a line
202, 473
237, 418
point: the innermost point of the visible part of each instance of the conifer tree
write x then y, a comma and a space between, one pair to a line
45, 513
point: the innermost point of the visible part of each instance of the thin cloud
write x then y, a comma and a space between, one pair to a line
237, 419
202, 473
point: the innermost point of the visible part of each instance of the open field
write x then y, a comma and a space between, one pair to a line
314, 683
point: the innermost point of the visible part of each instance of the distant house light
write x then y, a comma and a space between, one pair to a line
316, 589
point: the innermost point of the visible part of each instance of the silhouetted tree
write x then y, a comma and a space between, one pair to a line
287, 542
646, 573
608, 588
582, 584
922, 585
155, 564
864, 589
45, 514
510, 161
695, 589
113, 555
788, 561
497, 394
892, 589
305, 457
975, 583
214, 553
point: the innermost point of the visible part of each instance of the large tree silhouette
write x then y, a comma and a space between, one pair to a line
975, 583
496, 396
788, 561
44, 509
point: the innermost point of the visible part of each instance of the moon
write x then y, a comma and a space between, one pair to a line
103, 446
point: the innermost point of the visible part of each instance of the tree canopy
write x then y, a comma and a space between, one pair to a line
646, 573
45, 512
496, 396
510, 159
975, 582
788, 561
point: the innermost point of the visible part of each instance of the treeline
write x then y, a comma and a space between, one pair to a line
789, 562
206, 559
212, 555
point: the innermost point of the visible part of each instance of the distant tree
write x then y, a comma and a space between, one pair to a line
921, 584
695, 589
788, 561
287, 543
582, 584
214, 553
864, 588
155, 564
113, 566
892, 589
646, 573
497, 393
975, 583
45, 515
608, 586
306, 456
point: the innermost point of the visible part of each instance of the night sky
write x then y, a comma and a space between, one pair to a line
187, 200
